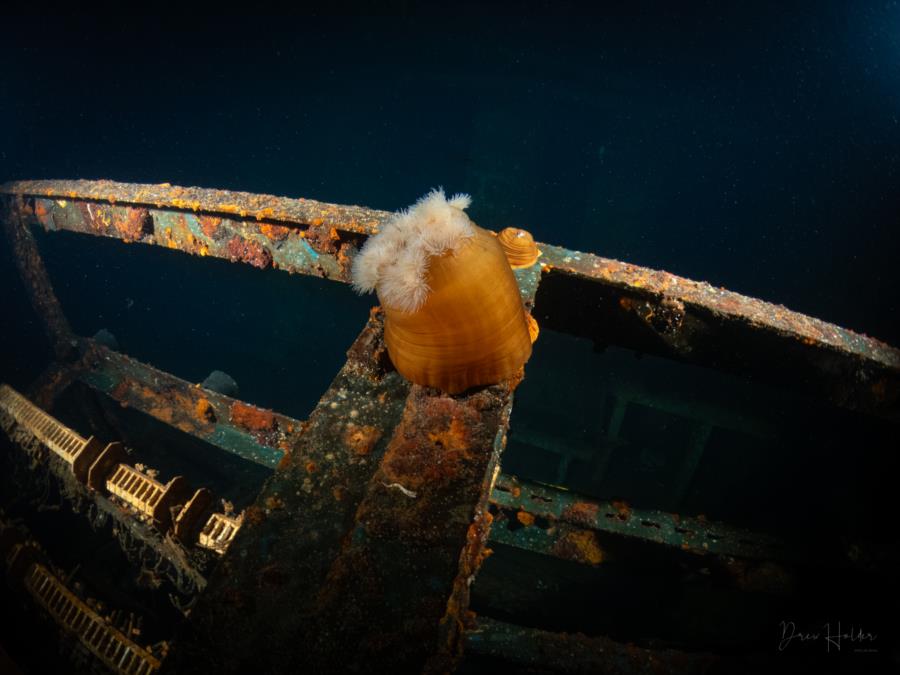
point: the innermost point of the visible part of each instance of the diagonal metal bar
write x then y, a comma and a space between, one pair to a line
35, 278
256, 434
364, 540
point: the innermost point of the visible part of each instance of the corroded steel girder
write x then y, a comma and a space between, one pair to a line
256, 434
296, 235
35, 279
567, 525
246, 205
363, 542
606, 300
649, 310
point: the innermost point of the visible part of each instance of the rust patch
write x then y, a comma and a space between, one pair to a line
581, 513
274, 503
121, 390
209, 225
249, 252
580, 546
361, 438
254, 515
274, 232
252, 418
623, 511
135, 225
435, 444
323, 239
525, 518
204, 411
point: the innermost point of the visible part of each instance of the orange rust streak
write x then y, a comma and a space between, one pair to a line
525, 518
252, 418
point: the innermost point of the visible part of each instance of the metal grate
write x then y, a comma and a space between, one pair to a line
103, 640
136, 489
219, 532
64, 442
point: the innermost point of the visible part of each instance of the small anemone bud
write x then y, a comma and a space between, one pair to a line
453, 313
519, 246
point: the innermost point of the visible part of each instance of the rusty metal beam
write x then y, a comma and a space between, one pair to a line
245, 205
541, 651
564, 524
364, 541
296, 235
606, 300
35, 278
256, 434
612, 302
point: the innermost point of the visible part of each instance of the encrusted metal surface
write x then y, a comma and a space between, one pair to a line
201, 200
613, 302
606, 300
566, 525
35, 279
366, 536
256, 434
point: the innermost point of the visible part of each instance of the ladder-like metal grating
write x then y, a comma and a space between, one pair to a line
103, 640
136, 489
219, 531
64, 442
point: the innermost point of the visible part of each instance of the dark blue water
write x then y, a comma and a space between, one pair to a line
756, 148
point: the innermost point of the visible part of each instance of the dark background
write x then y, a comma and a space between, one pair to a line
756, 147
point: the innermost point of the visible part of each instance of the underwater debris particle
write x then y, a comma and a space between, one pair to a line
396, 486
